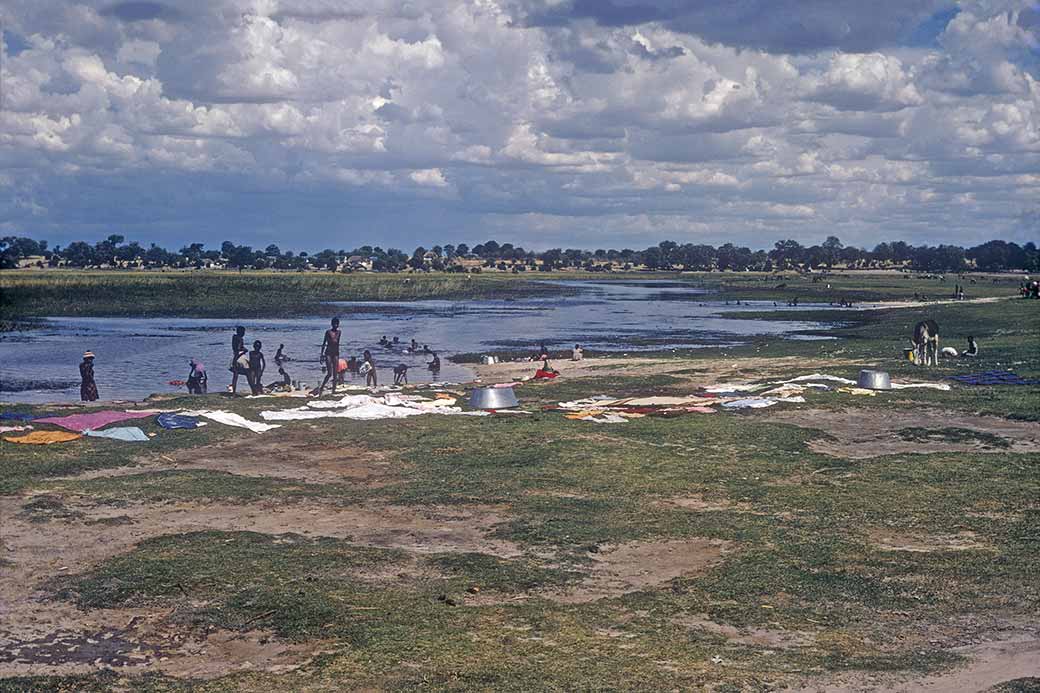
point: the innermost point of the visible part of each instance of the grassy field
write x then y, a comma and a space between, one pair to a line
855, 542
226, 294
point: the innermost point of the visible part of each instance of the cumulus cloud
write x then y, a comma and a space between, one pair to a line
617, 121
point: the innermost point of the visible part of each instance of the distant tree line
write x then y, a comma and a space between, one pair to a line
113, 251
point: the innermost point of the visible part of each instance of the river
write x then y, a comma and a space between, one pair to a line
139, 356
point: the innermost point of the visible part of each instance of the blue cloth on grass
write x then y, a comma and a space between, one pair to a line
171, 421
129, 434
994, 378
16, 416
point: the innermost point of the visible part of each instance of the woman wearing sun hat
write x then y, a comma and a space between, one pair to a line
88, 388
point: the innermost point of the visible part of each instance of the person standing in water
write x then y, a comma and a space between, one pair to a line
368, 367
238, 347
196, 378
87, 388
257, 365
330, 354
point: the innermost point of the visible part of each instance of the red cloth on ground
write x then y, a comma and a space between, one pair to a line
544, 375
93, 420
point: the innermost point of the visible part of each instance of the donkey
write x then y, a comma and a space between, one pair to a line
926, 343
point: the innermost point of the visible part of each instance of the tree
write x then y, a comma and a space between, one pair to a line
462, 249
831, 250
272, 251
787, 253
79, 254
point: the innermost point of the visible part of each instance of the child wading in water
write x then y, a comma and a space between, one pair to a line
368, 368
87, 388
257, 364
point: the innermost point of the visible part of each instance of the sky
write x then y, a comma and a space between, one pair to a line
544, 123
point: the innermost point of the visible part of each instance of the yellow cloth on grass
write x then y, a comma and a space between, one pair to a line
43, 437
858, 391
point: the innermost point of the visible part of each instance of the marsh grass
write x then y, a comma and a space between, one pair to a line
231, 294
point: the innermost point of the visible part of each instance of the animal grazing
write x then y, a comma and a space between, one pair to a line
926, 343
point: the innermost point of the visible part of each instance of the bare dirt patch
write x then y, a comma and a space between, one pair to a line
1012, 656
699, 504
292, 453
773, 638
634, 566
35, 626
963, 541
865, 433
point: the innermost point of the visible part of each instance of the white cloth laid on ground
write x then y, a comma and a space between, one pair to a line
817, 376
735, 387
231, 419
750, 403
12, 429
932, 386
368, 408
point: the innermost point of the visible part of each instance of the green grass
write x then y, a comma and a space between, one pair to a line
233, 294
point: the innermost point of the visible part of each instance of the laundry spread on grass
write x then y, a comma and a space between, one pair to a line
13, 429
128, 434
368, 408
16, 416
995, 377
231, 419
93, 420
172, 421
44, 437
750, 403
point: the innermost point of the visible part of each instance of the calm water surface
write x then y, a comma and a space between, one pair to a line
138, 356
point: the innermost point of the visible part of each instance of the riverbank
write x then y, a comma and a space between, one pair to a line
264, 294
252, 294
847, 542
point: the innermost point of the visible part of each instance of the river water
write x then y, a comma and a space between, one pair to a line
139, 356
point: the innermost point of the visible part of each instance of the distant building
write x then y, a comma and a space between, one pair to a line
358, 263
32, 261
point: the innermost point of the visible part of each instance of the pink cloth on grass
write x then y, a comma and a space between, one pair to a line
93, 420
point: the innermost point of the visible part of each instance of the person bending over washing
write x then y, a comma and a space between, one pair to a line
257, 364
197, 379
87, 387
330, 354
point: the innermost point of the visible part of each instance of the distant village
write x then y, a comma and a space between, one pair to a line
20, 253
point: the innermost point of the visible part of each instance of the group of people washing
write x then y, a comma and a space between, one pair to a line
252, 364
